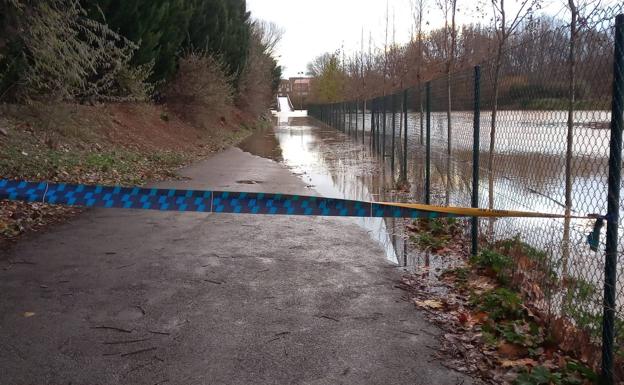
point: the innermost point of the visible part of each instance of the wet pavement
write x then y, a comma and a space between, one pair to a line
144, 297
335, 165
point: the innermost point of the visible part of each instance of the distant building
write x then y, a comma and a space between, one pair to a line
298, 89
301, 86
285, 88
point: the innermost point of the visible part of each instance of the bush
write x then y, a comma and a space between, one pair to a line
498, 264
500, 304
201, 91
55, 52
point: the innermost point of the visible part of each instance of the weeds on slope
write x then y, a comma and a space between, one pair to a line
494, 326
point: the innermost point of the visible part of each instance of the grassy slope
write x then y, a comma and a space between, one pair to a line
126, 144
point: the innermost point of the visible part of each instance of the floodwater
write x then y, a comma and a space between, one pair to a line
333, 165
528, 176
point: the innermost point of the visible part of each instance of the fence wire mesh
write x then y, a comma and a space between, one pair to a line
544, 146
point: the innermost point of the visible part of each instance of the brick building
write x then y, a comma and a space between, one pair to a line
298, 89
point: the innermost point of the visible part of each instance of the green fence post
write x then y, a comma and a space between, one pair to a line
357, 108
613, 206
348, 118
393, 132
428, 145
363, 121
372, 130
404, 163
475, 158
383, 140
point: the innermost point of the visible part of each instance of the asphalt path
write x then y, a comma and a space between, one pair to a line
146, 297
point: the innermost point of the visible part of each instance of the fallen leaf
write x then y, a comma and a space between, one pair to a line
516, 363
508, 350
483, 284
429, 303
28, 314
463, 318
480, 317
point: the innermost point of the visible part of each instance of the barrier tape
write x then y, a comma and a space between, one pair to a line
234, 202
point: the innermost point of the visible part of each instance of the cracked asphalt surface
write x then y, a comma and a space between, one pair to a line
144, 297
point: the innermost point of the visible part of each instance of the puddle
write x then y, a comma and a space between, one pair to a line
336, 166
249, 182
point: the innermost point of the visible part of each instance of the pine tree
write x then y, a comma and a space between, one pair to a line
166, 28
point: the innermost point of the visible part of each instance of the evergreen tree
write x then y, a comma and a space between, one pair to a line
166, 28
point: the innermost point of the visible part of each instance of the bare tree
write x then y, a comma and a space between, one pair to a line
418, 11
270, 34
449, 9
385, 72
505, 27
583, 10
316, 67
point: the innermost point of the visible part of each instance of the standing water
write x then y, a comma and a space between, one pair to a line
332, 165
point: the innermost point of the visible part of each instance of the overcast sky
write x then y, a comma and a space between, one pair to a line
313, 27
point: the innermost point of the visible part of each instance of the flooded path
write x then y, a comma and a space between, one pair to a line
146, 297
339, 165
333, 165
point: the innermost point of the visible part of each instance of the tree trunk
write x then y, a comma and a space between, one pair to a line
499, 57
419, 78
569, 180
449, 69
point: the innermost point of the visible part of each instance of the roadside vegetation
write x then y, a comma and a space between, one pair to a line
100, 91
507, 314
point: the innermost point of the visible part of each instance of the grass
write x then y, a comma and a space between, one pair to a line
29, 161
434, 234
494, 263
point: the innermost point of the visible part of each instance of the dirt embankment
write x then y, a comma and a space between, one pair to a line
126, 144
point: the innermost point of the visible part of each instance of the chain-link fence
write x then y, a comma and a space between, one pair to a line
545, 139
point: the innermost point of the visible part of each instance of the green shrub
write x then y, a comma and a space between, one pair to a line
499, 264
64, 55
500, 304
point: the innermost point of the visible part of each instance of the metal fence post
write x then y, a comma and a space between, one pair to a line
363, 121
337, 116
475, 158
357, 107
326, 114
329, 115
613, 205
372, 129
428, 149
393, 132
383, 140
375, 124
350, 104
404, 163
373, 119
347, 118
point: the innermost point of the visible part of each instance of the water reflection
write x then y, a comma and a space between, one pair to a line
333, 165
528, 175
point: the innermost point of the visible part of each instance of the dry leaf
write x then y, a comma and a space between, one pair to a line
521, 362
429, 303
480, 317
28, 314
508, 350
482, 284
